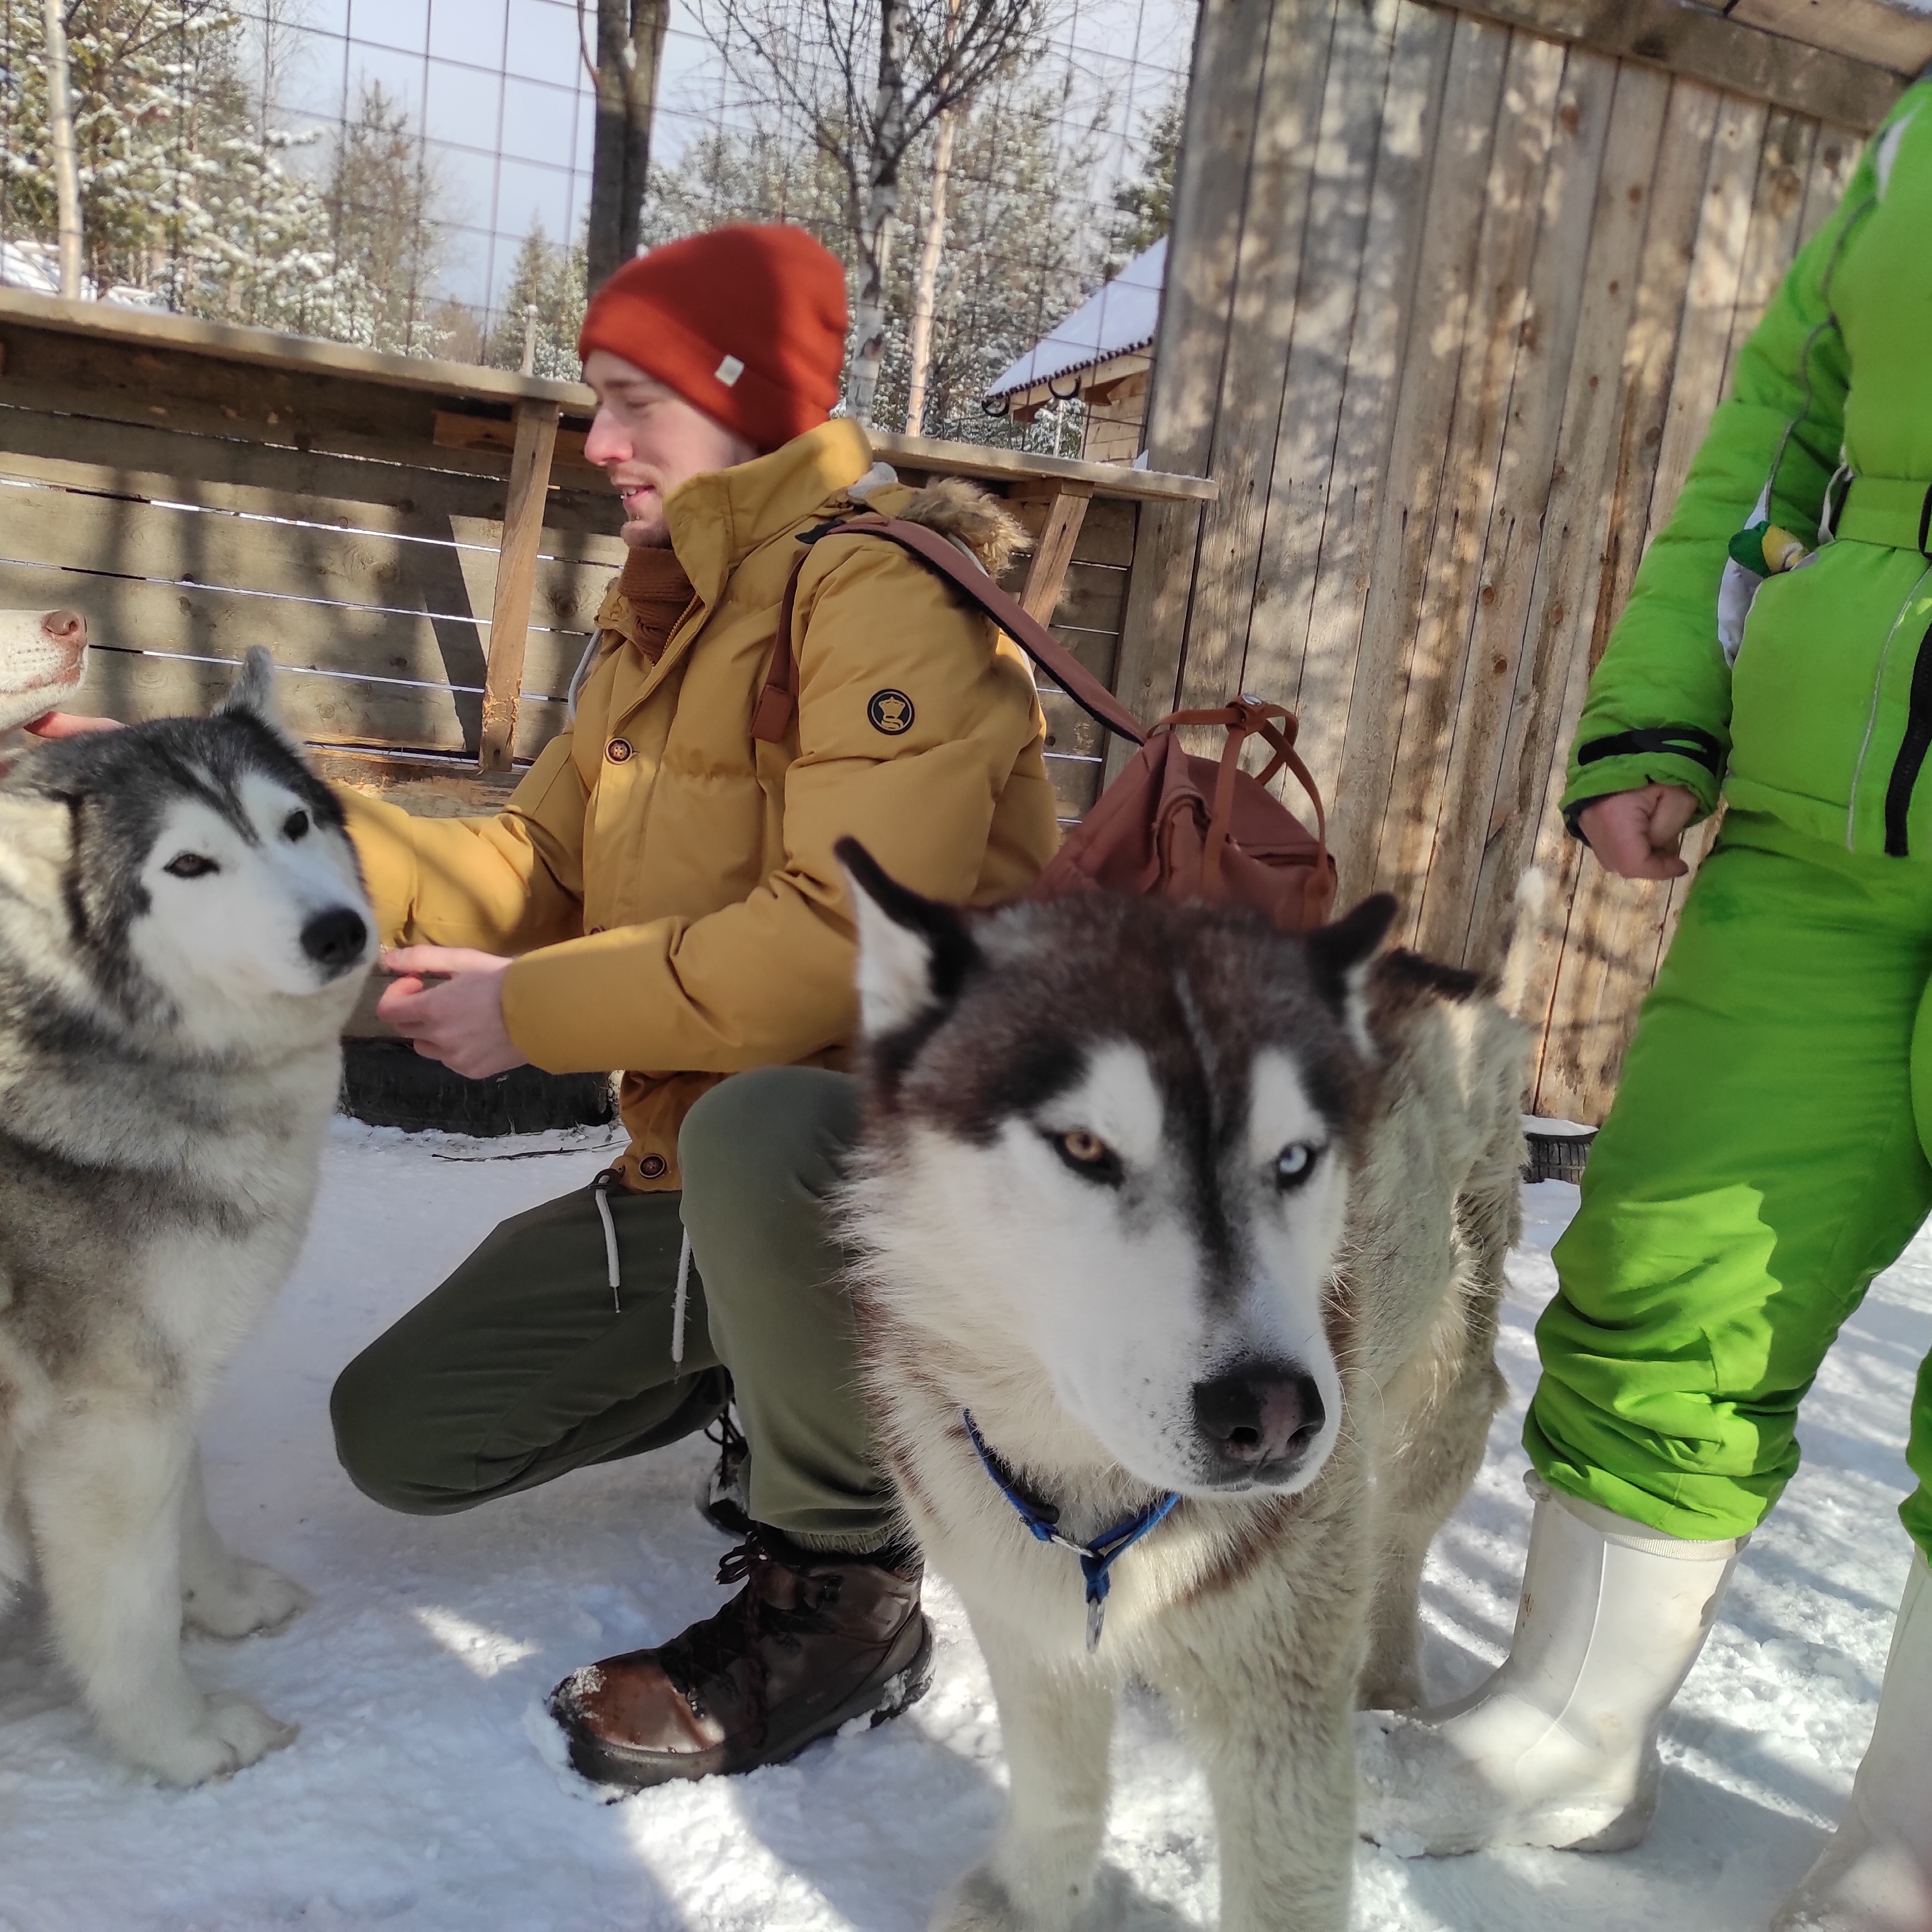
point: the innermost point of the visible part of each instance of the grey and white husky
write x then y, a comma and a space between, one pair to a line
183, 931
1180, 1243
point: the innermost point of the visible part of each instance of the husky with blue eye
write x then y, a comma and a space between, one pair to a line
183, 933
1180, 1242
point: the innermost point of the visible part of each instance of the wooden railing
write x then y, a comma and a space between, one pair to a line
420, 544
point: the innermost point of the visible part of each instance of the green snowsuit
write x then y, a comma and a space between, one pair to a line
1765, 1157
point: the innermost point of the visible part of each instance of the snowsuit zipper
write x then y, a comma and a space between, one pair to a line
1911, 760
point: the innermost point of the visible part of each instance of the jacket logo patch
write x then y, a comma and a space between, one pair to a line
890, 712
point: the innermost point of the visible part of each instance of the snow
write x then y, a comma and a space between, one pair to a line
417, 1796
1119, 316
35, 266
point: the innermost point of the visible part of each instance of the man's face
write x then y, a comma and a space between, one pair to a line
648, 439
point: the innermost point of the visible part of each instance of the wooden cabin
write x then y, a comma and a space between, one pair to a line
1453, 288
1102, 356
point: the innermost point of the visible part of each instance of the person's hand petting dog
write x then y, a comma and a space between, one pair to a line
68, 724
449, 1000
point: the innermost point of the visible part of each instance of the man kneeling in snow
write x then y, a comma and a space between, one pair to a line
660, 894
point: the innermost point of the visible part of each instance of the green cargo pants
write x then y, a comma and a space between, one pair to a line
1765, 1159
523, 1364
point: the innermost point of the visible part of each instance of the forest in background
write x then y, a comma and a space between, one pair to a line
196, 198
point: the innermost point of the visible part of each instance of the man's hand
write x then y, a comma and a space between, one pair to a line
70, 725
459, 1020
1636, 834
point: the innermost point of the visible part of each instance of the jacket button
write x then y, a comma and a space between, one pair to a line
618, 750
652, 1166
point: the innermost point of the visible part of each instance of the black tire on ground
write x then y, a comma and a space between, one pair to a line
388, 1083
1555, 1156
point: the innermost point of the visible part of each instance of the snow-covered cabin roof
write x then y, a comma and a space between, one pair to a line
1117, 320
30, 264
35, 266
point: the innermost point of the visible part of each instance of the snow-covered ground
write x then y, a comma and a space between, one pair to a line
414, 1799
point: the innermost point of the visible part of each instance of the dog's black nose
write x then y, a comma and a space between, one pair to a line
1271, 1412
335, 939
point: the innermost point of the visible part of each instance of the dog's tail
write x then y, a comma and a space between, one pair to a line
1526, 916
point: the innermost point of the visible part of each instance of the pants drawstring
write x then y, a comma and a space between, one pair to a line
602, 1188
683, 1296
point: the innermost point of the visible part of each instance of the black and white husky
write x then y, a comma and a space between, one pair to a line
1181, 1242
183, 931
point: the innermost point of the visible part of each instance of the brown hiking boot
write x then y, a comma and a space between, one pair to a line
809, 1643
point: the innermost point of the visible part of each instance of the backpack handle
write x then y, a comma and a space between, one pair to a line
1249, 718
778, 701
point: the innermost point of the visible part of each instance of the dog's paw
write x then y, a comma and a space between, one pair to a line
244, 1598
1398, 1689
981, 1903
234, 1732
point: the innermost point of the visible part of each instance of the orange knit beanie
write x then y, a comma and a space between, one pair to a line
747, 323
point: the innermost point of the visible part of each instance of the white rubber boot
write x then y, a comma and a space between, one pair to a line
1876, 1875
1559, 1746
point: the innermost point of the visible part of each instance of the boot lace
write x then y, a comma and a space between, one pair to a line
739, 1632
732, 1447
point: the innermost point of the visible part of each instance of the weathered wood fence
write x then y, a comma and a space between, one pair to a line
1453, 292
420, 544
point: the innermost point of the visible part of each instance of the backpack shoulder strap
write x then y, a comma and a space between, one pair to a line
779, 700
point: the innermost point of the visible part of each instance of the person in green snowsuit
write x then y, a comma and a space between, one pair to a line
1766, 1156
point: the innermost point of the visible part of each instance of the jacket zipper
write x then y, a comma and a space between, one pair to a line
1911, 760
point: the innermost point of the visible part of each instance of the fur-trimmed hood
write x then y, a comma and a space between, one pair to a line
961, 512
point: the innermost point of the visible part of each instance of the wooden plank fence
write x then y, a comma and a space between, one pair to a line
420, 544
1452, 294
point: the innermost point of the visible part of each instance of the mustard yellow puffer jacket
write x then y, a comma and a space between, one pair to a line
667, 882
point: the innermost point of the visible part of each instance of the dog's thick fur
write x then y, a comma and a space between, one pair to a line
183, 931
1121, 1158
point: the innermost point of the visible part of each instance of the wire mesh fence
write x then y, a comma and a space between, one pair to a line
415, 174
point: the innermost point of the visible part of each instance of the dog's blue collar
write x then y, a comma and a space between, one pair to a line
1097, 1558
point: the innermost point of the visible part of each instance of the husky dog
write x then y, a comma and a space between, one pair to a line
183, 931
1180, 1242
43, 659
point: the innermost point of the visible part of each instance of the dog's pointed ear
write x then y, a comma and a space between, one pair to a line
914, 952
1342, 954
253, 693
36, 839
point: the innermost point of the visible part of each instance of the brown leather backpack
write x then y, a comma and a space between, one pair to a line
1171, 825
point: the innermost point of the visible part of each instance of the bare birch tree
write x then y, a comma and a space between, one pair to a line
866, 81
926, 287
67, 167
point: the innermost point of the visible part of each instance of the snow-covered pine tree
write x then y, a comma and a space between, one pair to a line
1143, 207
185, 196
549, 278
383, 194
1019, 256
